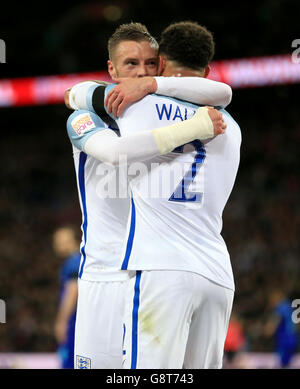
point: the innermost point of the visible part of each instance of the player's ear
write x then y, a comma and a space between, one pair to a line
161, 65
206, 71
111, 69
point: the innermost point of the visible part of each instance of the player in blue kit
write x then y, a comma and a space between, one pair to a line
282, 328
66, 246
99, 341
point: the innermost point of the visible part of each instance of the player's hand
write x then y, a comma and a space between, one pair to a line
217, 120
67, 97
128, 91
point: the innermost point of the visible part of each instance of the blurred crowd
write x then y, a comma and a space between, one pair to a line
261, 221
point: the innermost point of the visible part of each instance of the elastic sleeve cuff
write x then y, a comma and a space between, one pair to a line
161, 82
165, 86
78, 95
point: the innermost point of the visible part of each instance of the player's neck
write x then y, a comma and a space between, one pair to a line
174, 69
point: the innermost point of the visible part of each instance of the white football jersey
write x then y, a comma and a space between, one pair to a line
104, 204
177, 200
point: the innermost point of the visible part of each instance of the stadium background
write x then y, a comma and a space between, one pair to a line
38, 191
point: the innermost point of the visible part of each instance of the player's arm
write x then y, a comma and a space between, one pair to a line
88, 133
198, 90
66, 309
80, 96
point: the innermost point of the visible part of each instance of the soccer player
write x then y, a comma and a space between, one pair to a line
66, 246
101, 282
281, 328
179, 301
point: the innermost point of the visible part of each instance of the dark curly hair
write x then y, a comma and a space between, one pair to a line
187, 43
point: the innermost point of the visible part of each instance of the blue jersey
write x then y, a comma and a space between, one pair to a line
69, 271
286, 336
286, 331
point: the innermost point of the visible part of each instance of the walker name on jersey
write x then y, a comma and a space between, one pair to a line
173, 112
82, 123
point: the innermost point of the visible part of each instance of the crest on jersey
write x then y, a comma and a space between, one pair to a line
83, 362
82, 123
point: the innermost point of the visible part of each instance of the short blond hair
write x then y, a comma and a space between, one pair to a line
130, 32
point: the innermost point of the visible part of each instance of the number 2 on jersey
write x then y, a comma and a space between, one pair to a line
182, 193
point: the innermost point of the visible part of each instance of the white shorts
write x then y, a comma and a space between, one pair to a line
175, 320
99, 325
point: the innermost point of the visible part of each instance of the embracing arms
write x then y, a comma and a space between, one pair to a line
88, 133
197, 90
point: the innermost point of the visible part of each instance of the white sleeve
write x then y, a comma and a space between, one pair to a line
78, 94
104, 145
198, 90
81, 93
107, 147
